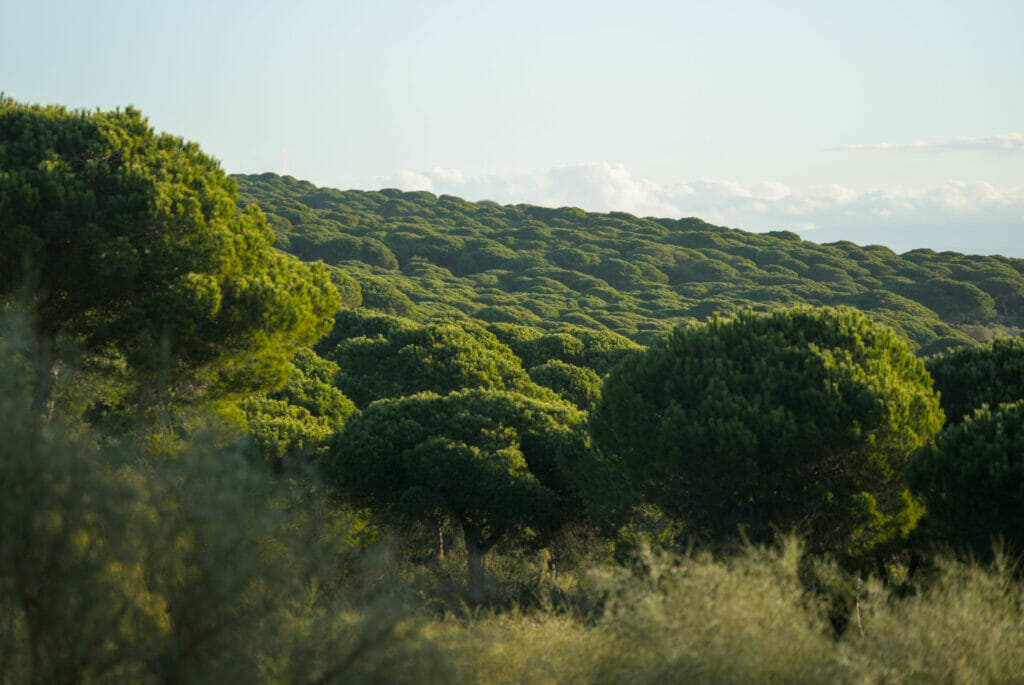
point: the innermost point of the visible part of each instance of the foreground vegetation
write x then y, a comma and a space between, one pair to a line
437, 459
123, 565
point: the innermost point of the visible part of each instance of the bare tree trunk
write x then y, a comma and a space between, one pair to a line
475, 568
440, 541
475, 551
44, 391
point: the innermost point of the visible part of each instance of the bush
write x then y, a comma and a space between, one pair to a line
120, 565
967, 626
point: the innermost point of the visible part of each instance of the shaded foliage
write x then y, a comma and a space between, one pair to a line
118, 564
969, 377
801, 419
972, 481
490, 461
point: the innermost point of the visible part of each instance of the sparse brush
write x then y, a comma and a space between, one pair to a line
966, 626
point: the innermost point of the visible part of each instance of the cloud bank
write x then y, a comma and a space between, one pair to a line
970, 217
1006, 144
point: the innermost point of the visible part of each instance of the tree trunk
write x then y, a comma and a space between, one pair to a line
44, 391
440, 542
475, 551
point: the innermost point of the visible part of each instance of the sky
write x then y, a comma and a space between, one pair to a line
898, 122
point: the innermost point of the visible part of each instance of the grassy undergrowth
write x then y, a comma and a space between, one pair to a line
746, 619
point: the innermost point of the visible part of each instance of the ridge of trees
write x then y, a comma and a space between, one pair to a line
429, 257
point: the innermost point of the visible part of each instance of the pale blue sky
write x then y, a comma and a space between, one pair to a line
899, 122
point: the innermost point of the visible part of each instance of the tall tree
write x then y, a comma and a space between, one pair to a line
130, 244
493, 462
800, 419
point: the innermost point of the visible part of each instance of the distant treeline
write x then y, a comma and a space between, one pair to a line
423, 256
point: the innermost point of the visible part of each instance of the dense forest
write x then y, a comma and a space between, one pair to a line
260, 431
555, 268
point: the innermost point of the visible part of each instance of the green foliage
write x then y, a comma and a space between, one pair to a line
383, 296
490, 461
130, 244
549, 268
969, 377
342, 248
294, 425
281, 433
176, 559
678, 620
602, 350
312, 387
965, 626
439, 357
575, 384
972, 481
120, 565
800, 419
348, 288
953, 300
598, 351
748, 619
361, 323
553, 346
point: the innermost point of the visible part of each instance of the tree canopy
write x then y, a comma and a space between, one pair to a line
801, 419
637, 277
293, 425
491, 461
576, 384
488, 349
970, 377
439, 357
972, 481
128, 243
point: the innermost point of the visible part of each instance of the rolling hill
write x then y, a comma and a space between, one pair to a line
431, 257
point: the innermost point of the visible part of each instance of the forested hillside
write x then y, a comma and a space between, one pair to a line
418, 255
483, 443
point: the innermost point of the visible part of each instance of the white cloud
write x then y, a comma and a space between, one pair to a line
599, 187
1007, 144
963, 216
410, 180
